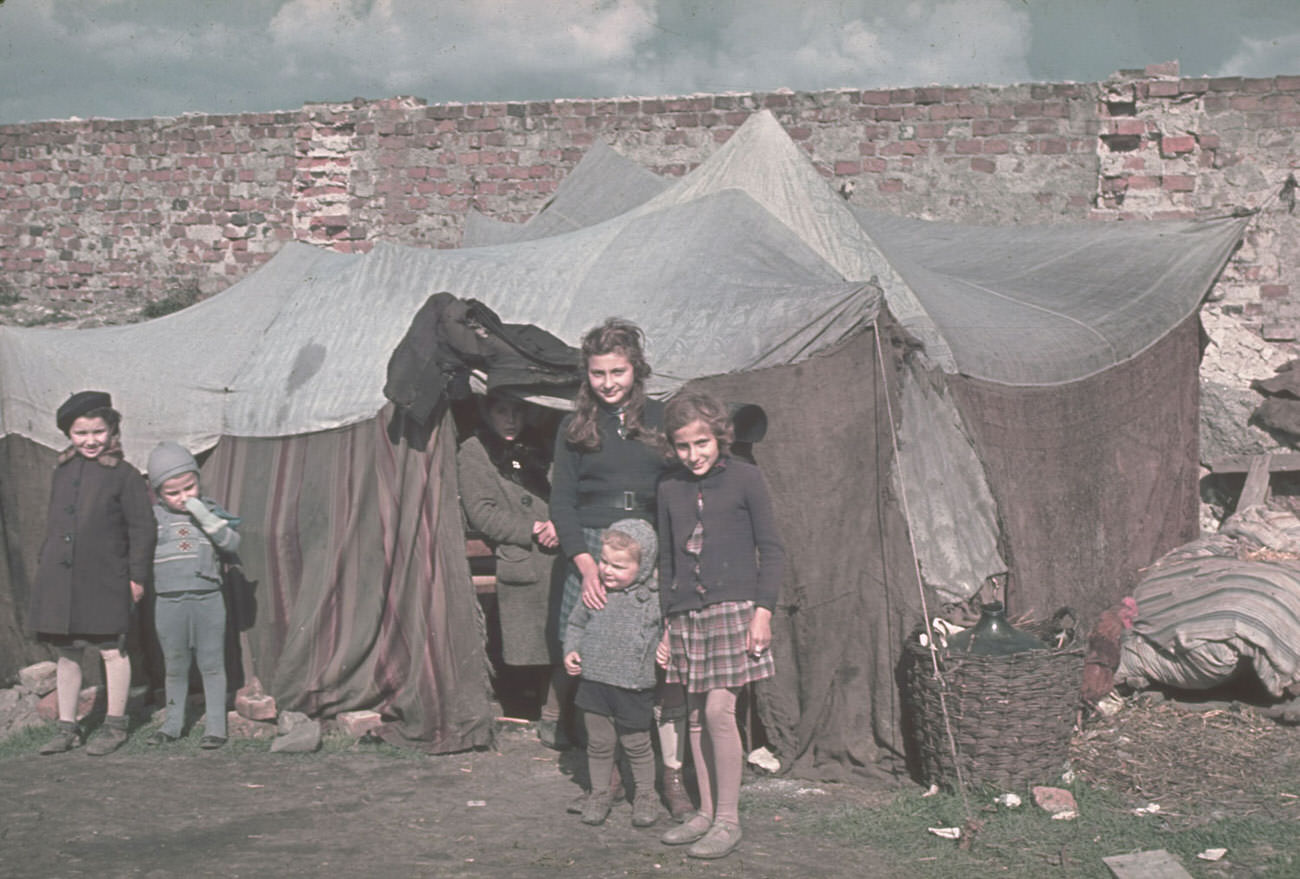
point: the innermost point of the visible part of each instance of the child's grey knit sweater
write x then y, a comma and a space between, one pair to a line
185, 558
617, 643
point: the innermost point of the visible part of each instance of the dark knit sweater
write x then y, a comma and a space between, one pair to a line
743, 558
619, 465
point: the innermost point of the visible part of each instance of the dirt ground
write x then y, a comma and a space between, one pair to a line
242, 811
179, 811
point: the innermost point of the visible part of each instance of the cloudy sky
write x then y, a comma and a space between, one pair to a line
139, 58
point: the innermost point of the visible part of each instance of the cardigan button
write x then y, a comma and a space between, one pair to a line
526, 501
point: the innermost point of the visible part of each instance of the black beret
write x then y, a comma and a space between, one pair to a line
78, 405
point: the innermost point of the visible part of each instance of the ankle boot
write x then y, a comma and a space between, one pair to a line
596, 809
67, 738
676, 798
109, 737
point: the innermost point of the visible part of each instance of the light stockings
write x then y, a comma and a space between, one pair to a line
68, 682
716, 749
672, 744
117, 679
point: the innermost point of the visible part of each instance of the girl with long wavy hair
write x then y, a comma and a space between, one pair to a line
608, 459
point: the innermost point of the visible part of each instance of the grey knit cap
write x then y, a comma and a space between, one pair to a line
642, 532
169, 459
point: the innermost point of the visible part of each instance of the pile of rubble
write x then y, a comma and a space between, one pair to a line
32, 702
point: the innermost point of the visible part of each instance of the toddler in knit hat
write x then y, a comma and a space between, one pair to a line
194, 536
613, 649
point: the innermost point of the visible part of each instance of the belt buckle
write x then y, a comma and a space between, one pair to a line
629, 501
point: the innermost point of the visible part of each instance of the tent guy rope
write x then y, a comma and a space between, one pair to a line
916, 567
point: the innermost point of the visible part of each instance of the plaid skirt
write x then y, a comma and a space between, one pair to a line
708, 648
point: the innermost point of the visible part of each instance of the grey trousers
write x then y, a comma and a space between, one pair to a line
194, 626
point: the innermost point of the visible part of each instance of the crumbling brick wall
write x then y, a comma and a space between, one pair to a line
100, 217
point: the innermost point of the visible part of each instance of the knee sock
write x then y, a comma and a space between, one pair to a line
563, 688
67, 679
551, 693
117, 677
672, 744
641, 757
728, 755
601, 739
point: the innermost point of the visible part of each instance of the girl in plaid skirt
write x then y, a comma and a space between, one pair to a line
720, 566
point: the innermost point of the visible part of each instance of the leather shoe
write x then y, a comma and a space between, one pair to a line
720, 841
690, 830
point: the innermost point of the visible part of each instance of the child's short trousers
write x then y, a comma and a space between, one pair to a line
631, 710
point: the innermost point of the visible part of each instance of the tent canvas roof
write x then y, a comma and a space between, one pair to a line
749, 260
750, 273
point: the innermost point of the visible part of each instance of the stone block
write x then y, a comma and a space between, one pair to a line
258, 707
39, 678
18, 713
302, 738
1057, 801
48, 707
288, 720
240, 727
358, 723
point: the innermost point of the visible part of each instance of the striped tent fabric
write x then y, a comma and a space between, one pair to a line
1206, 613
360, 557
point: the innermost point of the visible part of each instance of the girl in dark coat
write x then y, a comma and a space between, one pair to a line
97, 553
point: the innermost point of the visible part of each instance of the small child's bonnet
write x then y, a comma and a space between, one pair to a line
644, 535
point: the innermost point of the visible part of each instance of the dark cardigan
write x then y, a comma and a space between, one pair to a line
743, 558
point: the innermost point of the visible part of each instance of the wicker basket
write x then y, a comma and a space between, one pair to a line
1011, 716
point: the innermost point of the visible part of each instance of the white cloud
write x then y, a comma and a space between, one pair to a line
1264, 57
134, 58
764, 44
403, 45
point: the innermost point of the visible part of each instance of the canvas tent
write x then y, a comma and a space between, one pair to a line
940, 399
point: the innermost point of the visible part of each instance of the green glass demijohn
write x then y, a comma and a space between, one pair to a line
992, 635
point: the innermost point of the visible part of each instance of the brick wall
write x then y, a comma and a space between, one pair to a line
99, 217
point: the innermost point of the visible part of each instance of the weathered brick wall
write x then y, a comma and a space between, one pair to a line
99, 217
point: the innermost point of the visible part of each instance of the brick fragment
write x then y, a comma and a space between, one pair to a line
358, 723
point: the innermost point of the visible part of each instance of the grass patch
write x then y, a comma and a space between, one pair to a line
1027, 842
9, 296
27, 741
173, 301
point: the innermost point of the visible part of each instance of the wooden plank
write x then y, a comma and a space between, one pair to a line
1157, 864
1255, 491
1281, 462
